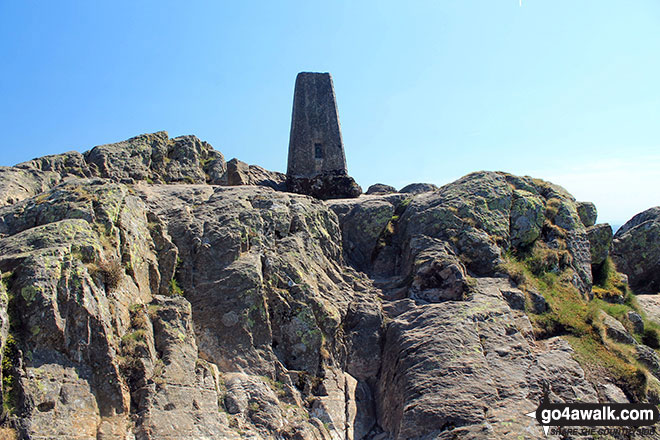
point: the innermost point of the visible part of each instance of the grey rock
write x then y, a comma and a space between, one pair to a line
649, 358
155, 157
105, 349
650, 304
418, 188
380, 188
363, 327
482, 216
324, 187
527, 216
480, 368
539, 304
178, 398
636, 251
344, 406
438, 275
198, 311
4, 327
615, 330
18, 184
587, 212
254, 399
612, 393
362, 223
240, 173
514, 297
600, 241
636, 321
71, 164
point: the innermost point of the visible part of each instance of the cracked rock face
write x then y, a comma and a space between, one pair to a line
636, 251
464, 367
132, 309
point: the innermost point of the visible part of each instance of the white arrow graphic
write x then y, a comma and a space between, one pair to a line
545, 427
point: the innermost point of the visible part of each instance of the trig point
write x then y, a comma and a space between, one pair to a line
317, 164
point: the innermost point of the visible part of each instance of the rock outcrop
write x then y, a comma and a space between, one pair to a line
479, 218
324, 187
152, 291
155, 157
600, 241
417, 188
380, 188
151, 158
636, 251
240, 173
588, 213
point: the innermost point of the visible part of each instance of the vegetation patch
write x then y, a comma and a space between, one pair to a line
9, 390
7, 433
578, 319
112, 272
175, 289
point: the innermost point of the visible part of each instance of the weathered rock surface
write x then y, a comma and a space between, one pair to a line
18, 184
88, 285
588, 213
153, 158
66, 164
636, 321
651, 306
380, 188
484, 215
362, 223
137, 310
417, 188
466, 368
157, 158
615, 330
240, 173
636, 251
600, 241
324, 187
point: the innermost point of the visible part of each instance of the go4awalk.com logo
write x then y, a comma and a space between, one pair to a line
617, 417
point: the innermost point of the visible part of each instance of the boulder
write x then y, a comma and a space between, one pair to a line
612, 393
539, 304
587, 212
418, 188
649, 358
527, 216
484, 215
615, 330
636, 251
362, 223
438, 275
636, 322
324, 187
380, 188
600, 241
240, 173
514, 297
157, 158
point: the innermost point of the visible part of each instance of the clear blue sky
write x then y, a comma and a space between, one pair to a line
427, 90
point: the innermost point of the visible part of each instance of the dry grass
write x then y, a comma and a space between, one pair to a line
112, 272
579, 320
8, 433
